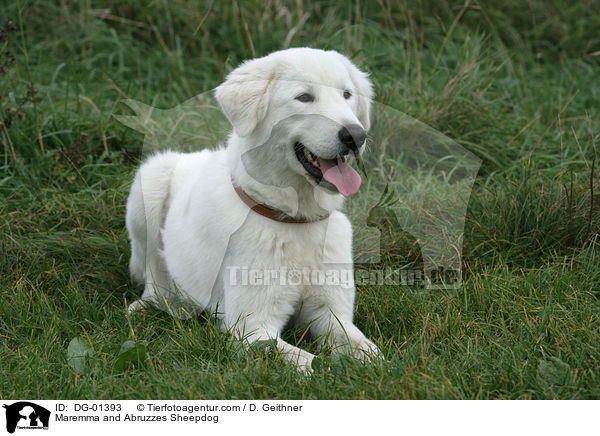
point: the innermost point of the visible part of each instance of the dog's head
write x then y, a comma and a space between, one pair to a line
309, 107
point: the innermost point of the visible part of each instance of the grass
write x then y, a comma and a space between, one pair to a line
516, 85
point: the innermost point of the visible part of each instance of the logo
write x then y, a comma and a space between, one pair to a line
26, 415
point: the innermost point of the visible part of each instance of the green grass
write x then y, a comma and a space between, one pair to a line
515, 85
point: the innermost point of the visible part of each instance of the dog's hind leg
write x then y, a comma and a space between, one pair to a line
158, 287
147, 207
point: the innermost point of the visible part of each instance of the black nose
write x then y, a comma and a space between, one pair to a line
352, 136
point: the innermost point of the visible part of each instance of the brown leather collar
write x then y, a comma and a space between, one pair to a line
269, 212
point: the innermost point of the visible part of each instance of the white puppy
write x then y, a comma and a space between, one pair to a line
297, 115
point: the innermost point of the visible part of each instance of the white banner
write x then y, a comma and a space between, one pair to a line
272, 417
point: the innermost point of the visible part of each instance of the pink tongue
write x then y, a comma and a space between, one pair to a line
341, 175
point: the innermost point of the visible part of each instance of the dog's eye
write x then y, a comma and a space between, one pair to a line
306, 97
347, 94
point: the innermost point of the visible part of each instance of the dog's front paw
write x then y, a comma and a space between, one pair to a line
356, 344
304, 365
138, 305
301, 360
366, 350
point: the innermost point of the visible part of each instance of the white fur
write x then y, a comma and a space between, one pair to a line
189, 229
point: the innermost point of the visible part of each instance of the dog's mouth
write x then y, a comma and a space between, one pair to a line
335, 175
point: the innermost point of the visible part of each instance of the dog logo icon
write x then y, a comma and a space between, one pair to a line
26, 415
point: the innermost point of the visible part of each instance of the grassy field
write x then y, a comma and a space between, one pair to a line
516, 84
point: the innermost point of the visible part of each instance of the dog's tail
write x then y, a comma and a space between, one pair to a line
147, 208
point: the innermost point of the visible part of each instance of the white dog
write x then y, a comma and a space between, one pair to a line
231, 230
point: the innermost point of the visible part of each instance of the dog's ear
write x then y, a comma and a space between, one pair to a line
364, 89
244, 95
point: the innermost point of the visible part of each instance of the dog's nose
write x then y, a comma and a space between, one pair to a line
352, 136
